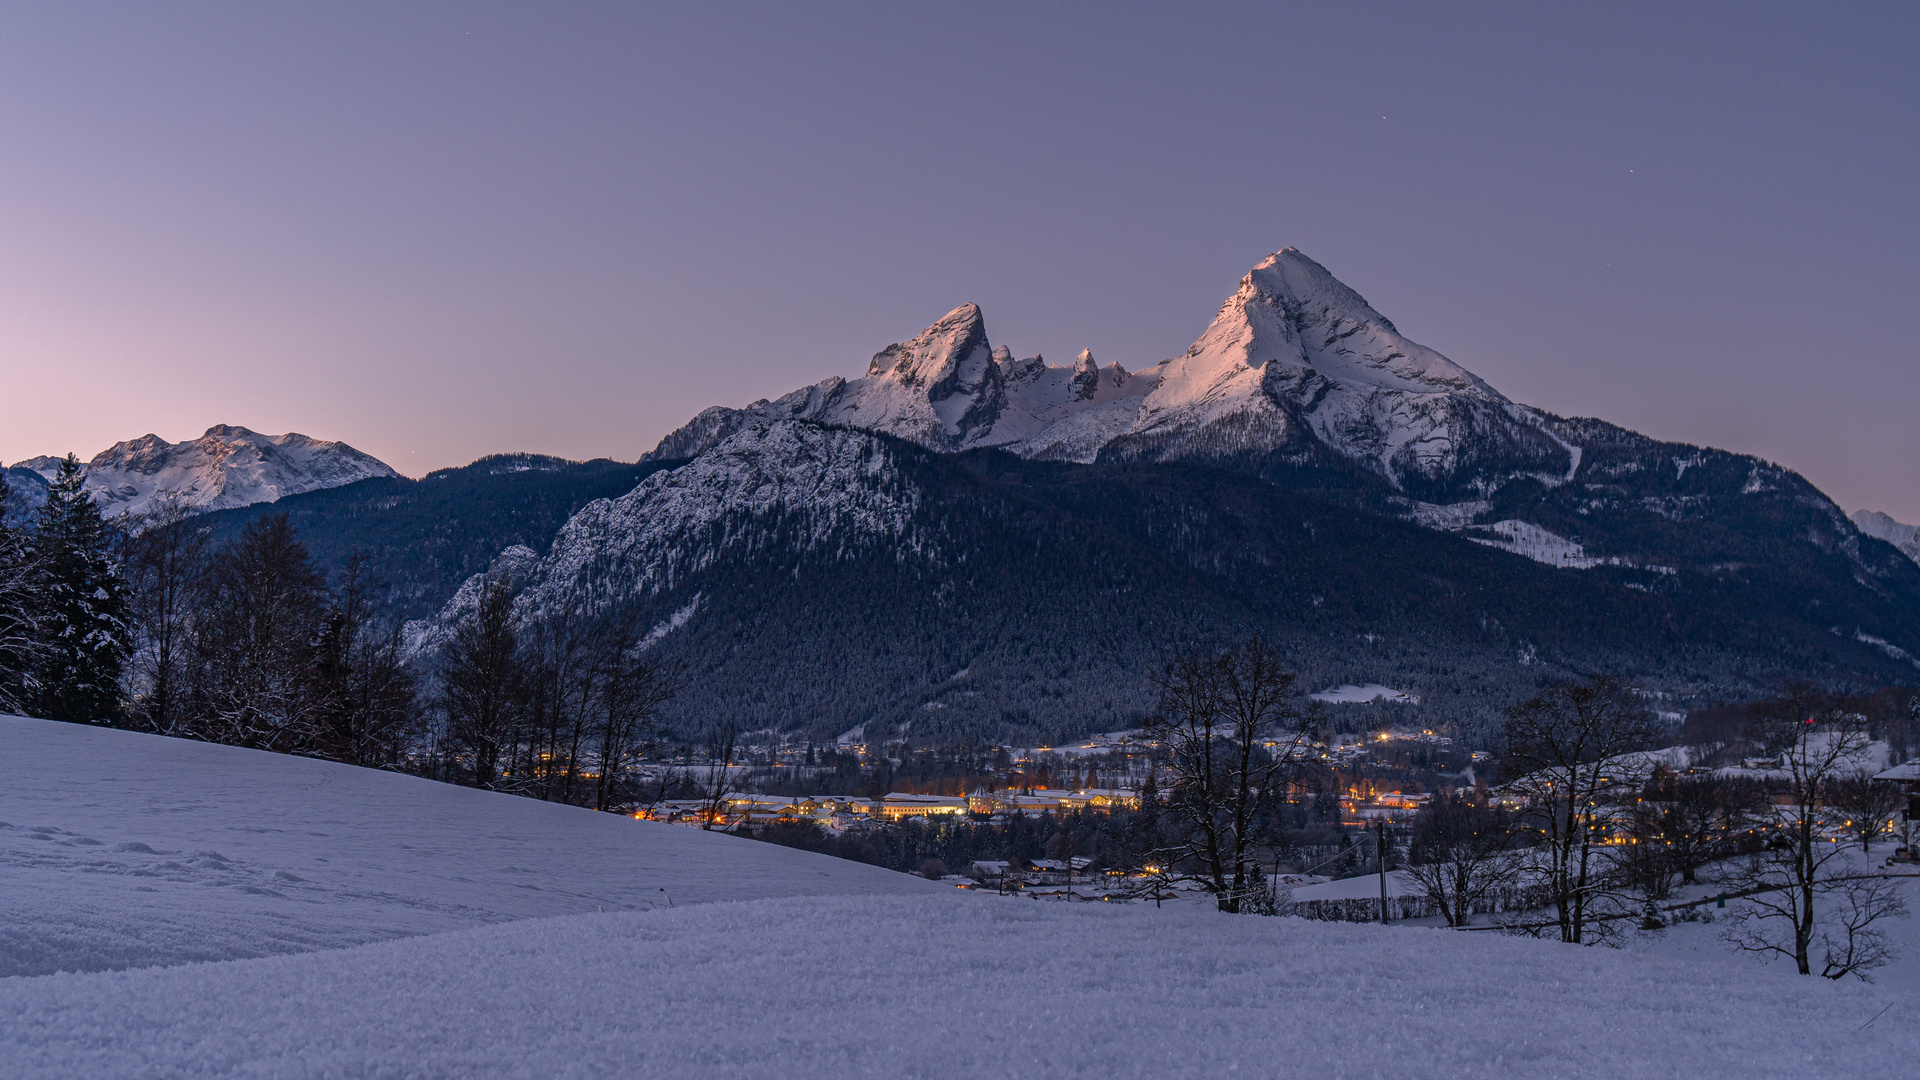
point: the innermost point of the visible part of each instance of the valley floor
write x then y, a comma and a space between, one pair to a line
415, 944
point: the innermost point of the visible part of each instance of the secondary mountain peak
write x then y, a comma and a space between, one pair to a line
228, 466
934, 356
1883, 527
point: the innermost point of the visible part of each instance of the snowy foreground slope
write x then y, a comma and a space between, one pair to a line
808, 966
944, 986
125, 850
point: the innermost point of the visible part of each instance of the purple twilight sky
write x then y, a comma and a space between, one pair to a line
443, 231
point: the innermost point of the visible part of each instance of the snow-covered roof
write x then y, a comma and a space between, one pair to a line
1909, 771
905, 798
1364, 887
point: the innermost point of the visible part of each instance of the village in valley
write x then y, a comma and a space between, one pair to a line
1365, 791
1000, 782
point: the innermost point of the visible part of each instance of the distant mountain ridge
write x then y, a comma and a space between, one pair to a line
227, 467
1881, 527
962, 543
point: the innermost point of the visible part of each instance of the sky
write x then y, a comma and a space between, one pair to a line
442, 231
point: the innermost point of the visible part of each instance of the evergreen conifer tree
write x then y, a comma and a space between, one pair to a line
83, 621
20, 605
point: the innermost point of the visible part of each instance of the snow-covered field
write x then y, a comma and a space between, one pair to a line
1349, 694
872, 974
124, 850
947, 985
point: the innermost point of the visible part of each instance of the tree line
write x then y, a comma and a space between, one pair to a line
144, 623
563, 708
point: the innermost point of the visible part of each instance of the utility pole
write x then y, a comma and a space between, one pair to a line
1067, 852
1381, 855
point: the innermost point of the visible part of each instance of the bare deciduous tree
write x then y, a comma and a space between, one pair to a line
1696, 818
483, 691
1852, 941
1233, 728
1461, 853
719, 783
1570, 753
563, 679
1804, 891
634, 688
594, 700
1868, 808
253, 663
165, 555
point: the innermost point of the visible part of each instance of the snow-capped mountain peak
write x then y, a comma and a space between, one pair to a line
1289, 308
1295, 365
1295, 348
226, 467
935, 357
1086, 376
1882, 527
947, 388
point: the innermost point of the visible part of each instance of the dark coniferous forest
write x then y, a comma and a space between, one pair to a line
424, 537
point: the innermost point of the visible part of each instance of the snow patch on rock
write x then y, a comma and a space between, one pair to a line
672, 622
1893, 651
1348, 694
1536, 543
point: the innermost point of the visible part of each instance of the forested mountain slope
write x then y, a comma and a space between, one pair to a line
816, 578
424, 537
1299, 381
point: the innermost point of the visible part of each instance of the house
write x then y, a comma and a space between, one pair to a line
1011, 801
1059, 871
1909, 775
901, 804
1037, 801
1101, 800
